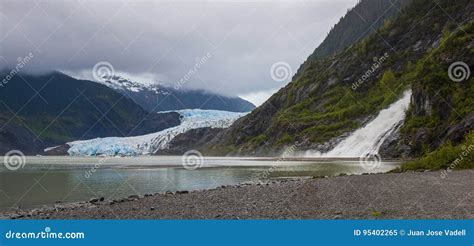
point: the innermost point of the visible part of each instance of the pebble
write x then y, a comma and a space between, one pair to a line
199, 203
134, 197
93, 200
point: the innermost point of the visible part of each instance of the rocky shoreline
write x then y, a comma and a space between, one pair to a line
392, 195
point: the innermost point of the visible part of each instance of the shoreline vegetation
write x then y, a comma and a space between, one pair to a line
447, 157
408, 194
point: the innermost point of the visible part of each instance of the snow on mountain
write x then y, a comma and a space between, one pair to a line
155, 97
150, 143
119, 83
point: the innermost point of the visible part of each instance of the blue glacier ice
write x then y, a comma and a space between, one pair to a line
150, 143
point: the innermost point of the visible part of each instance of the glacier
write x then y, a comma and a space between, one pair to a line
150, 143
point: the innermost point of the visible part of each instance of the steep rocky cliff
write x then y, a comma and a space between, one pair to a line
442, 109
333, 96
364, 19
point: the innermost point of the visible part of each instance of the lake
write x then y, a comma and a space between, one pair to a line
46, 180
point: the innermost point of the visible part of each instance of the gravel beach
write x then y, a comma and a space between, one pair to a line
392, 195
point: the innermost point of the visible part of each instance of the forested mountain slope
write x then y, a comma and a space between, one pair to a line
38, 111
338, 94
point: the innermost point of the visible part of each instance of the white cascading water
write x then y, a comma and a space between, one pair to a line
368, 139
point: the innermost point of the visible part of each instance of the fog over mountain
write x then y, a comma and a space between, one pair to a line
163, 41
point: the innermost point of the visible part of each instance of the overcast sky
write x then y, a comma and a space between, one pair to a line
228, 47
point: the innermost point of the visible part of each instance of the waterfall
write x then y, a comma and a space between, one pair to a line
368, 139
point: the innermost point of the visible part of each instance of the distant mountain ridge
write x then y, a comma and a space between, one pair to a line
37, 111
157, 97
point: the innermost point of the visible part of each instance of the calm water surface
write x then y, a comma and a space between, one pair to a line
45, 180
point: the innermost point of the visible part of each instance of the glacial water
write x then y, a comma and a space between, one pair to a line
46, 180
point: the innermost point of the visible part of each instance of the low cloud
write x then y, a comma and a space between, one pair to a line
161, 41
